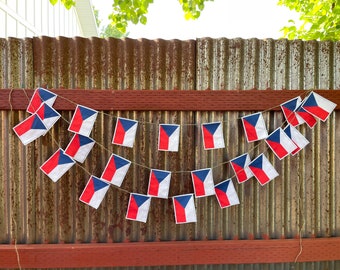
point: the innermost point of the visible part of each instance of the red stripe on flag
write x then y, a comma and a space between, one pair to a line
88, 192
51, 163
199, 186
110, 170
180, 212
308, 118
77, 121
22, 128
74, 146
240, 172
261, 176
318, 112
154, 186
279, 150
222, 197
119, 134
208, 138
133, 209
250, 130
34, 103
291, 117
163, 140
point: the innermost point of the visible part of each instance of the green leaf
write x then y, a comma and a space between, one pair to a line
143, 19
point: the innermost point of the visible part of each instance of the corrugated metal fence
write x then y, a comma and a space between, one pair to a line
302, 201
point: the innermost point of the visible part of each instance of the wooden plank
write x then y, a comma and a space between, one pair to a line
169, 253
163, 100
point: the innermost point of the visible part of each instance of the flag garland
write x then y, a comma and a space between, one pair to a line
281, 141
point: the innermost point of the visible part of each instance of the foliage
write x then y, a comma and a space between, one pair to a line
320, 19
135, 11
67, 3
108, 30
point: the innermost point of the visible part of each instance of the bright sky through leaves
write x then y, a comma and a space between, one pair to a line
221, 18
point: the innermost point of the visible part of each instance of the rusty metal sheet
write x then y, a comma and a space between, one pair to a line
302, 201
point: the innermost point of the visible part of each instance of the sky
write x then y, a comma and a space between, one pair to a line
220, 19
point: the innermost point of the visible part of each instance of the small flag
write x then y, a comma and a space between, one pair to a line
289, 108
30, 129
83, 120
240, 167
159, 183
295, 135
168, 138
138, 208
280, 143
262, 169
48, 115
306, 117
203, 182
94, 192
79, 147
213, 135
184, 207
318, 106
40, 96
57, 165
226, 194
115, 170
125, 132
254, 127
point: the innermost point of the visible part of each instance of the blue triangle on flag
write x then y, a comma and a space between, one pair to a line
140, 199
45, 95
120, 162
212, 127
241, 160
86, 112
37, 123
127, 124
98, 184
275, 136
160, 175
202, 174
83, 140
169, 129
223, 186
183, 200
64, 159
252, 119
